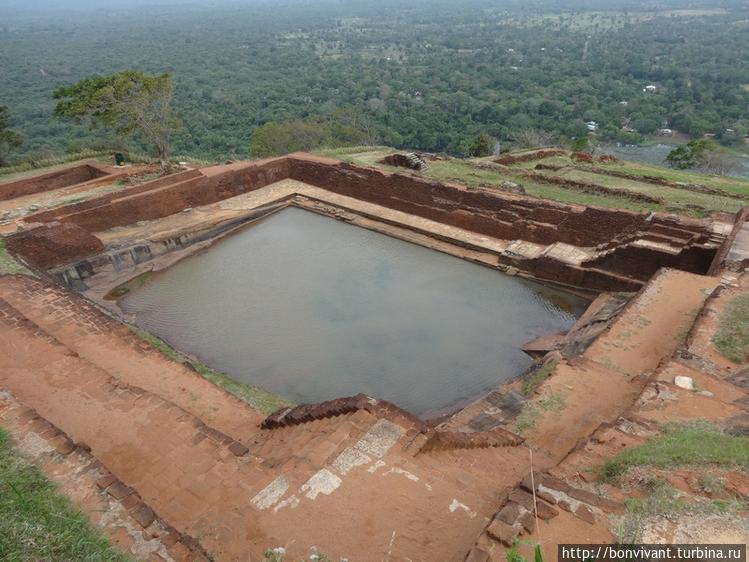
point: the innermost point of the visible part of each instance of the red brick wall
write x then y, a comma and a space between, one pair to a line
148, 204
52, 245
50, 181
499, 215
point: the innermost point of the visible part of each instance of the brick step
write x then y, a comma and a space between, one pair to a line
15, 319
541, 496
455, 440
306, 413
62, 213
316, 441
674, 241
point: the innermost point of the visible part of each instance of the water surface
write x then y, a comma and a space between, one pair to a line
312, 308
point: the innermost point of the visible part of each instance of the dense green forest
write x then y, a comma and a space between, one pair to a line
425, 75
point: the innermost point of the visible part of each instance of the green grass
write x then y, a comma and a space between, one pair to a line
257, 397
693, 444
553, 402
732, 338
39, 523
676, 198
728, 184
8, 264
662, 500
531, 383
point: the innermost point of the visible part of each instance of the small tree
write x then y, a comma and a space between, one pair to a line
535, 138
8, 139
704, 154
482, 145
129, 102
720, 161
274, 138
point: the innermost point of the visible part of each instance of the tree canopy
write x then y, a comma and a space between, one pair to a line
347, 126
129, 102
8, 139
430, 75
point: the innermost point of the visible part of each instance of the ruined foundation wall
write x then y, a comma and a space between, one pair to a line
718, 262
149, 204
53, 180
641, 262
53, 245
494, 214
60, 213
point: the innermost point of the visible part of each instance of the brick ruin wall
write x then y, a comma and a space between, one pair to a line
511, 159
720, 259
520, 218
164, 197
494, 214
50, 181
53, 244
100, 202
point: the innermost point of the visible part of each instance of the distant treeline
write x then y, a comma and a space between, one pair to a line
425, 75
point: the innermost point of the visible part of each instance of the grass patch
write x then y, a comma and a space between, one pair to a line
257, 397
532, 411
697, 443
527, 418
663, 501
39, 523
554, 402
531, 383
732, 338
8, 264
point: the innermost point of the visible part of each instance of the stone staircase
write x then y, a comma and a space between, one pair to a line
306, 413
299, 421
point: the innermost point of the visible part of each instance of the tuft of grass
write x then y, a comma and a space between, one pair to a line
39, 523
527, 418
8, 264
732, 338
531, 383
697, 443
256, 397
532, 411
554, 402
664, 501
710, 483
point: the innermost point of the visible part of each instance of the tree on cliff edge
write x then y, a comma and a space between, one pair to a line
129, 102
8, 139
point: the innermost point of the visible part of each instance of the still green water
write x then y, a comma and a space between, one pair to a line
312, 308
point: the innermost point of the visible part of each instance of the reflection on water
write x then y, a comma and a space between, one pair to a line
312, 309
